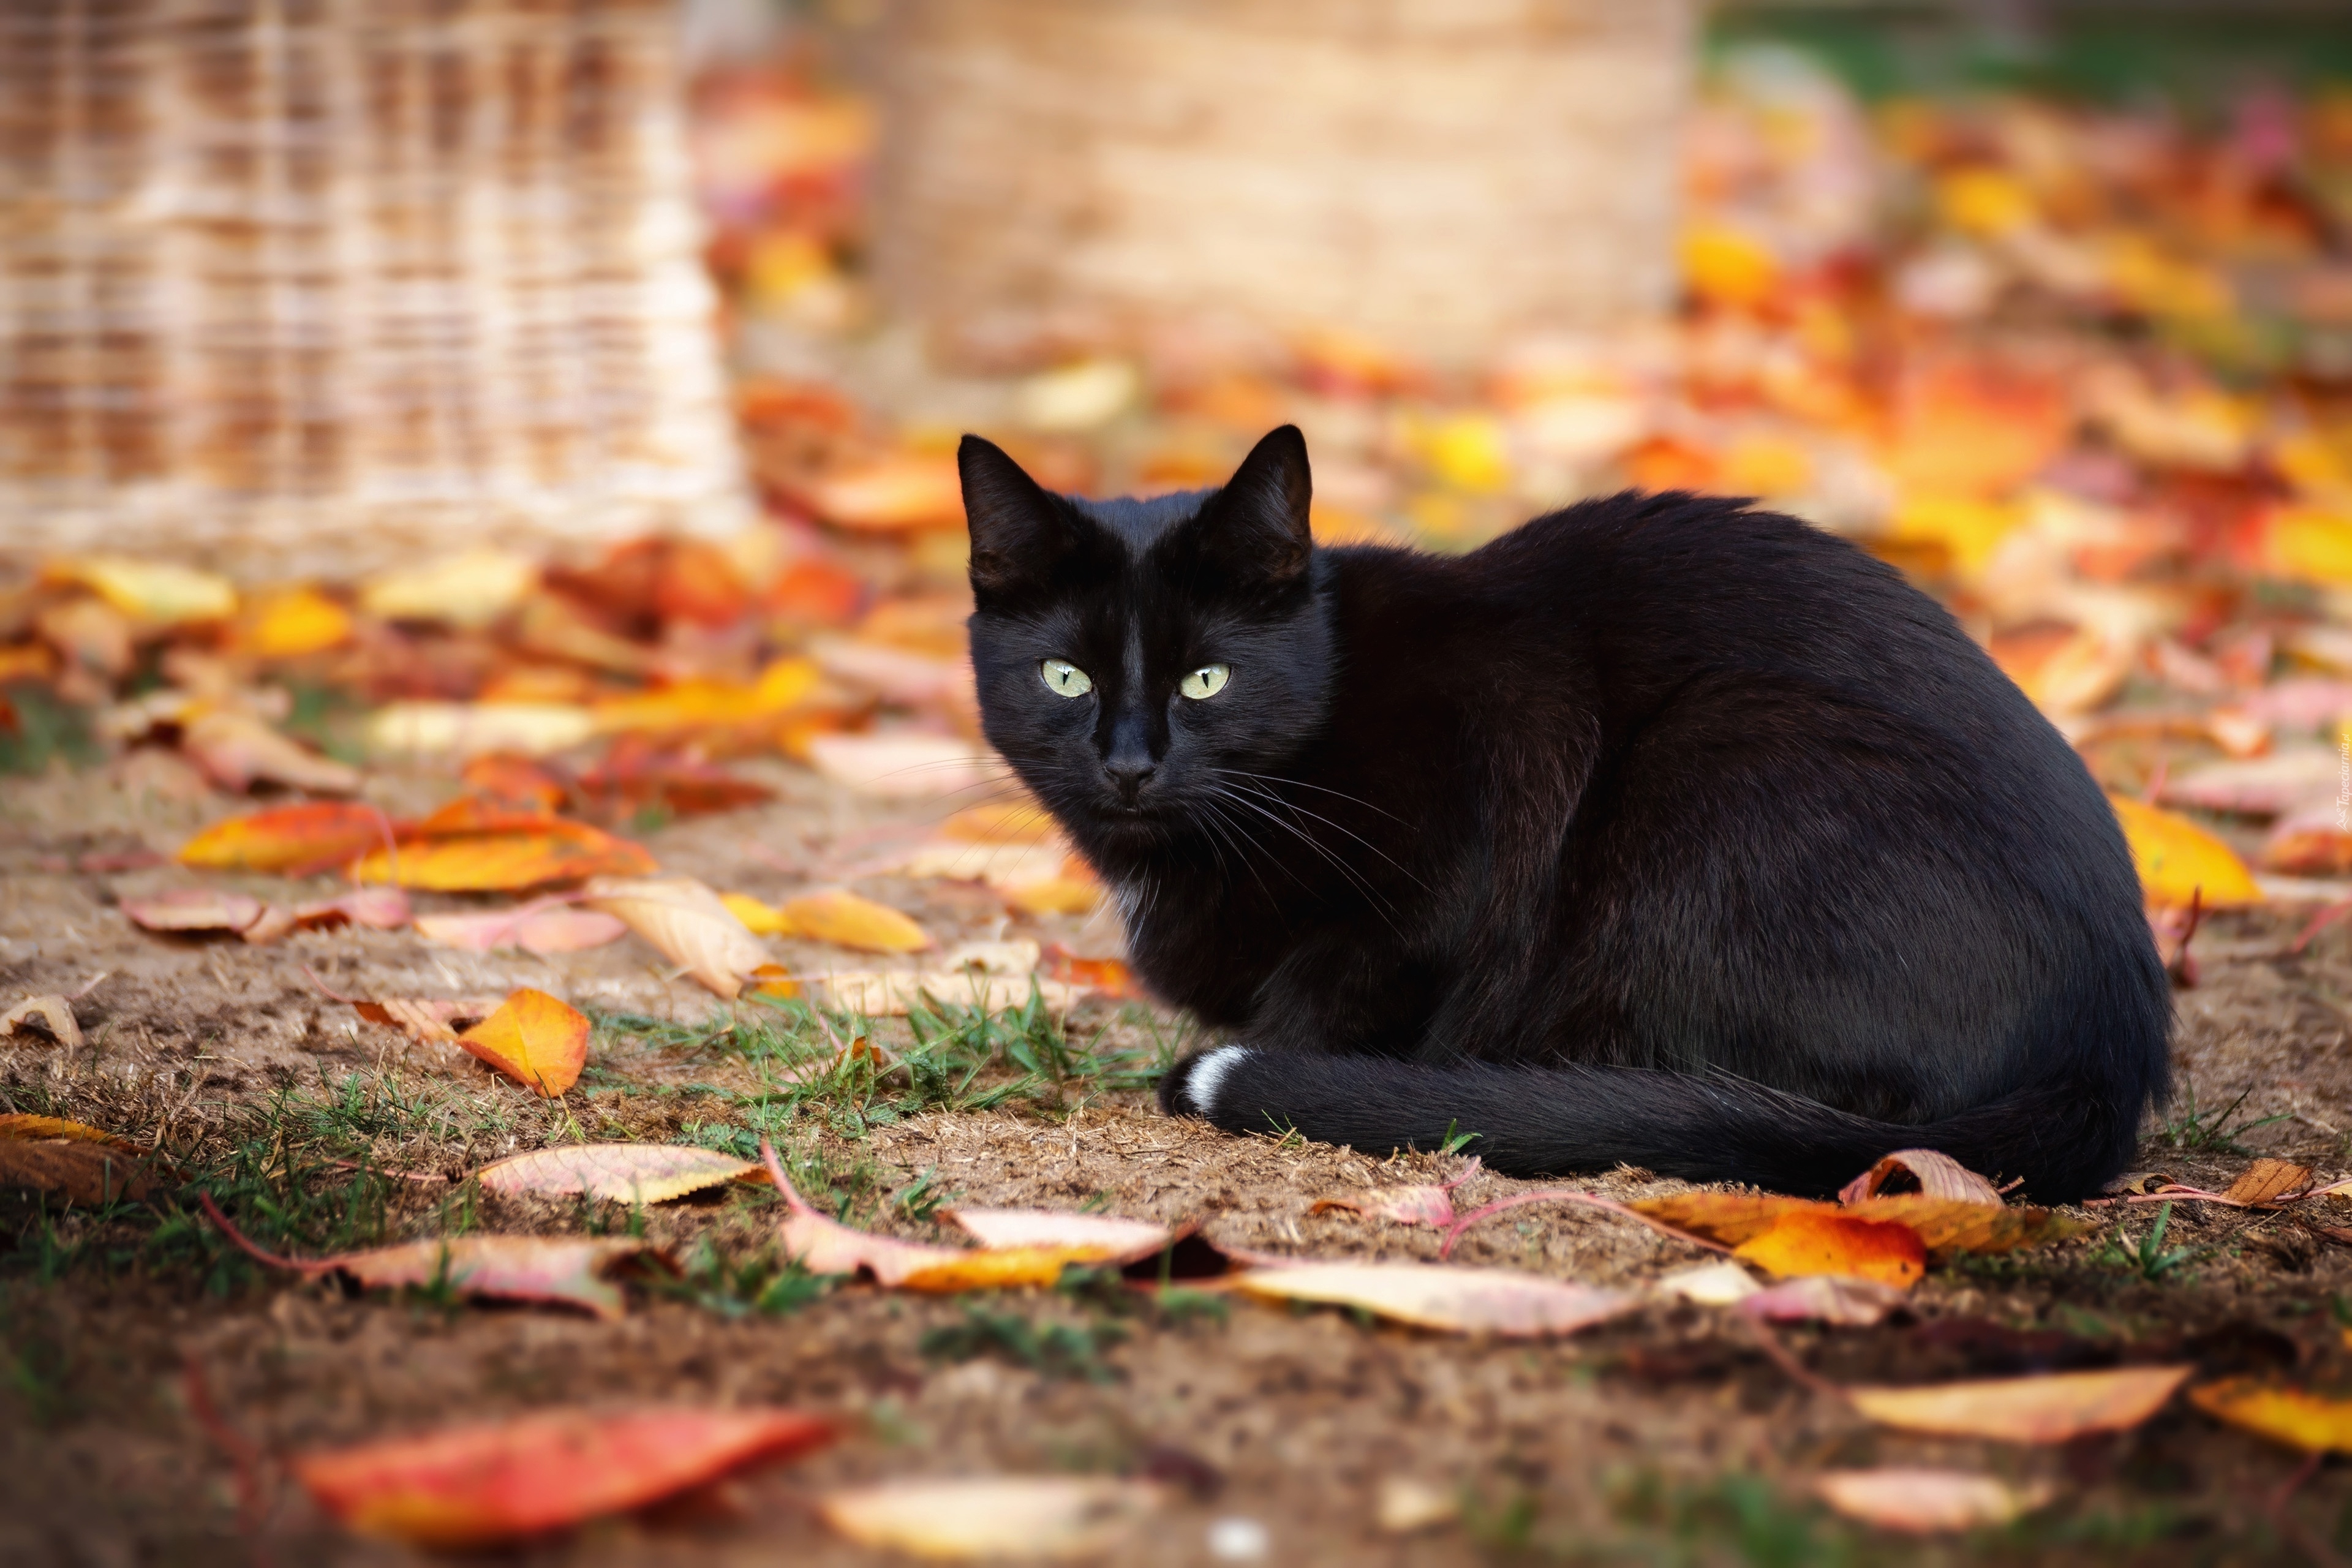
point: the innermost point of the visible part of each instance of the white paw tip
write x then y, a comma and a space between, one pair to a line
1200, 1084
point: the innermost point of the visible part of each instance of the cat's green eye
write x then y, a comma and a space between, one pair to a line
1066, 678
1205, 681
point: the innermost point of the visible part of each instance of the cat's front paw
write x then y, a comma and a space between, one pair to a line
1191, 1086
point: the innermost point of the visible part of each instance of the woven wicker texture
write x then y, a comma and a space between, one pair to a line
298, 285
1435, 173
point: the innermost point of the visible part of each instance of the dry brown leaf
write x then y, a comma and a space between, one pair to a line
1006, 1518
425, 1019
1938, 1175
82, 1171
1923, 1502
55, 1012
687, 923
1820, 1298
622, 1173
1428, 1205
2269, 1181
235, 748
1949, 1226
2051, 1409
879, 993
1445, 1296
535, 1039
505, 1481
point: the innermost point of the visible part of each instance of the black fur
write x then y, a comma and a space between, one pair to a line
1658, 830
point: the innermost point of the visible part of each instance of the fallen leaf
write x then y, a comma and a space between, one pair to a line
635, 776
55, 1011
888, 492
1722, 1283
500, 1480
1042, 1244
783, 686
292, 622
83, 1171
533, 1038
1444, 1296
2295, 1416
1003, 821
1925, 1501
2269, 1181
1827, 1299
1729, 1219
514, 781
1426, 1204
542, 931
193, 909
687, 923
1938, 1175
759, 918
569, 1270
1108, 978
551, 849
380, 908
2179, 860
1062, 895
473, 729
426, 1019
1404, 1506
156, 592
1805, 1241
1949, 1226
293, 839
900, 766
468, 590
233, 748
2254, 787
1001, 865
842, 918
1007, 1518
2052, 1407
23, 1124
624, 1173
875, 994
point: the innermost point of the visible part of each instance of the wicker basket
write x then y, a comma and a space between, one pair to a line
1436, 173
293, 287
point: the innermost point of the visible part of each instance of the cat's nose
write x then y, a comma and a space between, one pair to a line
1128, 772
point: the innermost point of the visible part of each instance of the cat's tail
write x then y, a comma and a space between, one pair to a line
2064, 1138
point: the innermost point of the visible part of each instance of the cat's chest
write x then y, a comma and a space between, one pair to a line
1210, 955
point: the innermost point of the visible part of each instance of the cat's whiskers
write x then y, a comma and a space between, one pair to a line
1302, 783
1355, 879
1294, 806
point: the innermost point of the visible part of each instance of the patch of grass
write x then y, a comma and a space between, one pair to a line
2148, 1258
46, 730
921, 1198
762, 1283
2214, 1132
1057, 1349
1742, 1518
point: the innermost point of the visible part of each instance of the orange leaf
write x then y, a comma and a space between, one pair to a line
893, 491
688, 923
26, 1125
426, 1019
1729, 1219
846, 919
1007, 1517
517, 781
1951, 1224
82, 1171
2179, 860
1445, 1296
759, 918
624, 1173
2052, 1408
533, 1038
553, 850
473, 1485
1925, 1501
296, 839
1807, 1242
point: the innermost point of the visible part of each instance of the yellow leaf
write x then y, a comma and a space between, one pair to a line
469, 590
293, 622
1984, 201
1971, 529
1444, 1296
533, 1038
2051, 1409
688, 923
2179, 860
846, 919
2293, 1416
2313, 543
154, 592
759, 918
1728, 265
474, 728
624, 1173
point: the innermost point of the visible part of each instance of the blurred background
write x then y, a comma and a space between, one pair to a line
526, 352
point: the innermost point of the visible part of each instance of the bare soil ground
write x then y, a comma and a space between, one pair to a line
1666, 1437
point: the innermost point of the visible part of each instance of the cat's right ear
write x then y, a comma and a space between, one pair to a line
1019, 529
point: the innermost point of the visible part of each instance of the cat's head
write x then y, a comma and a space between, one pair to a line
1138, 660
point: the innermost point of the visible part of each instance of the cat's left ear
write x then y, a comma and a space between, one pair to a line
1256, 527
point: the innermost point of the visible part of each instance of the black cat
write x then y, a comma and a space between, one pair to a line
1658, 830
